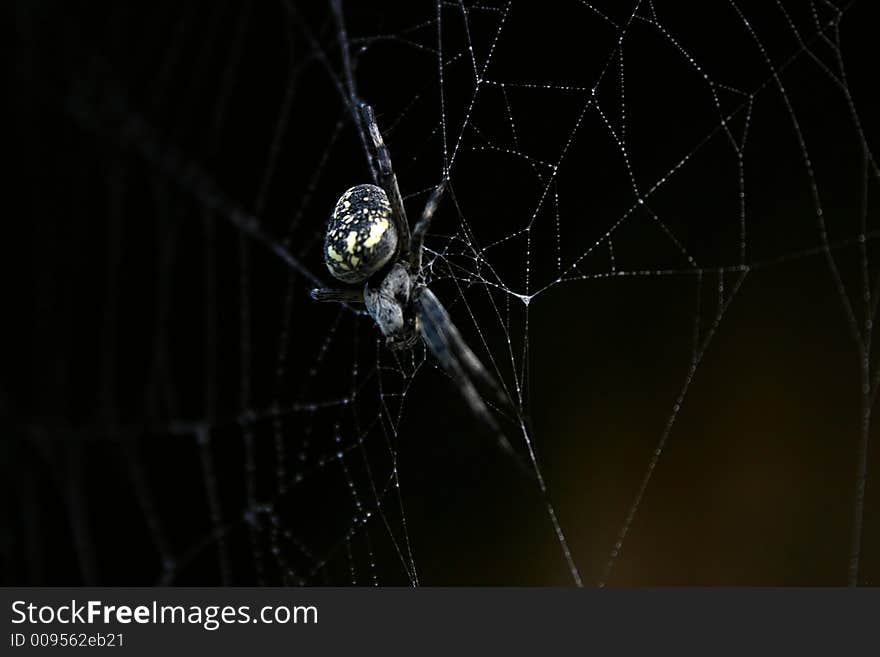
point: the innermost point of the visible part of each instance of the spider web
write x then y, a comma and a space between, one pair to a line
658, 236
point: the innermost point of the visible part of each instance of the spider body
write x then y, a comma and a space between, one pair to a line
369, 241
361, 237
389, 304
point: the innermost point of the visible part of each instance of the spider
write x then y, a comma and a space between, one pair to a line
368, 241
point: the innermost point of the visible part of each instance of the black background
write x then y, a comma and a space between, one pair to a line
128, 318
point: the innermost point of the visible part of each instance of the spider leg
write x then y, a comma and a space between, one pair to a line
422, 226
342, 295
456, 358
386, 178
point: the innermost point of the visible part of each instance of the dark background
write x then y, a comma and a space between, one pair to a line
152, 332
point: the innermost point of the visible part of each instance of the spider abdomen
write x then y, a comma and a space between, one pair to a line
361, 237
